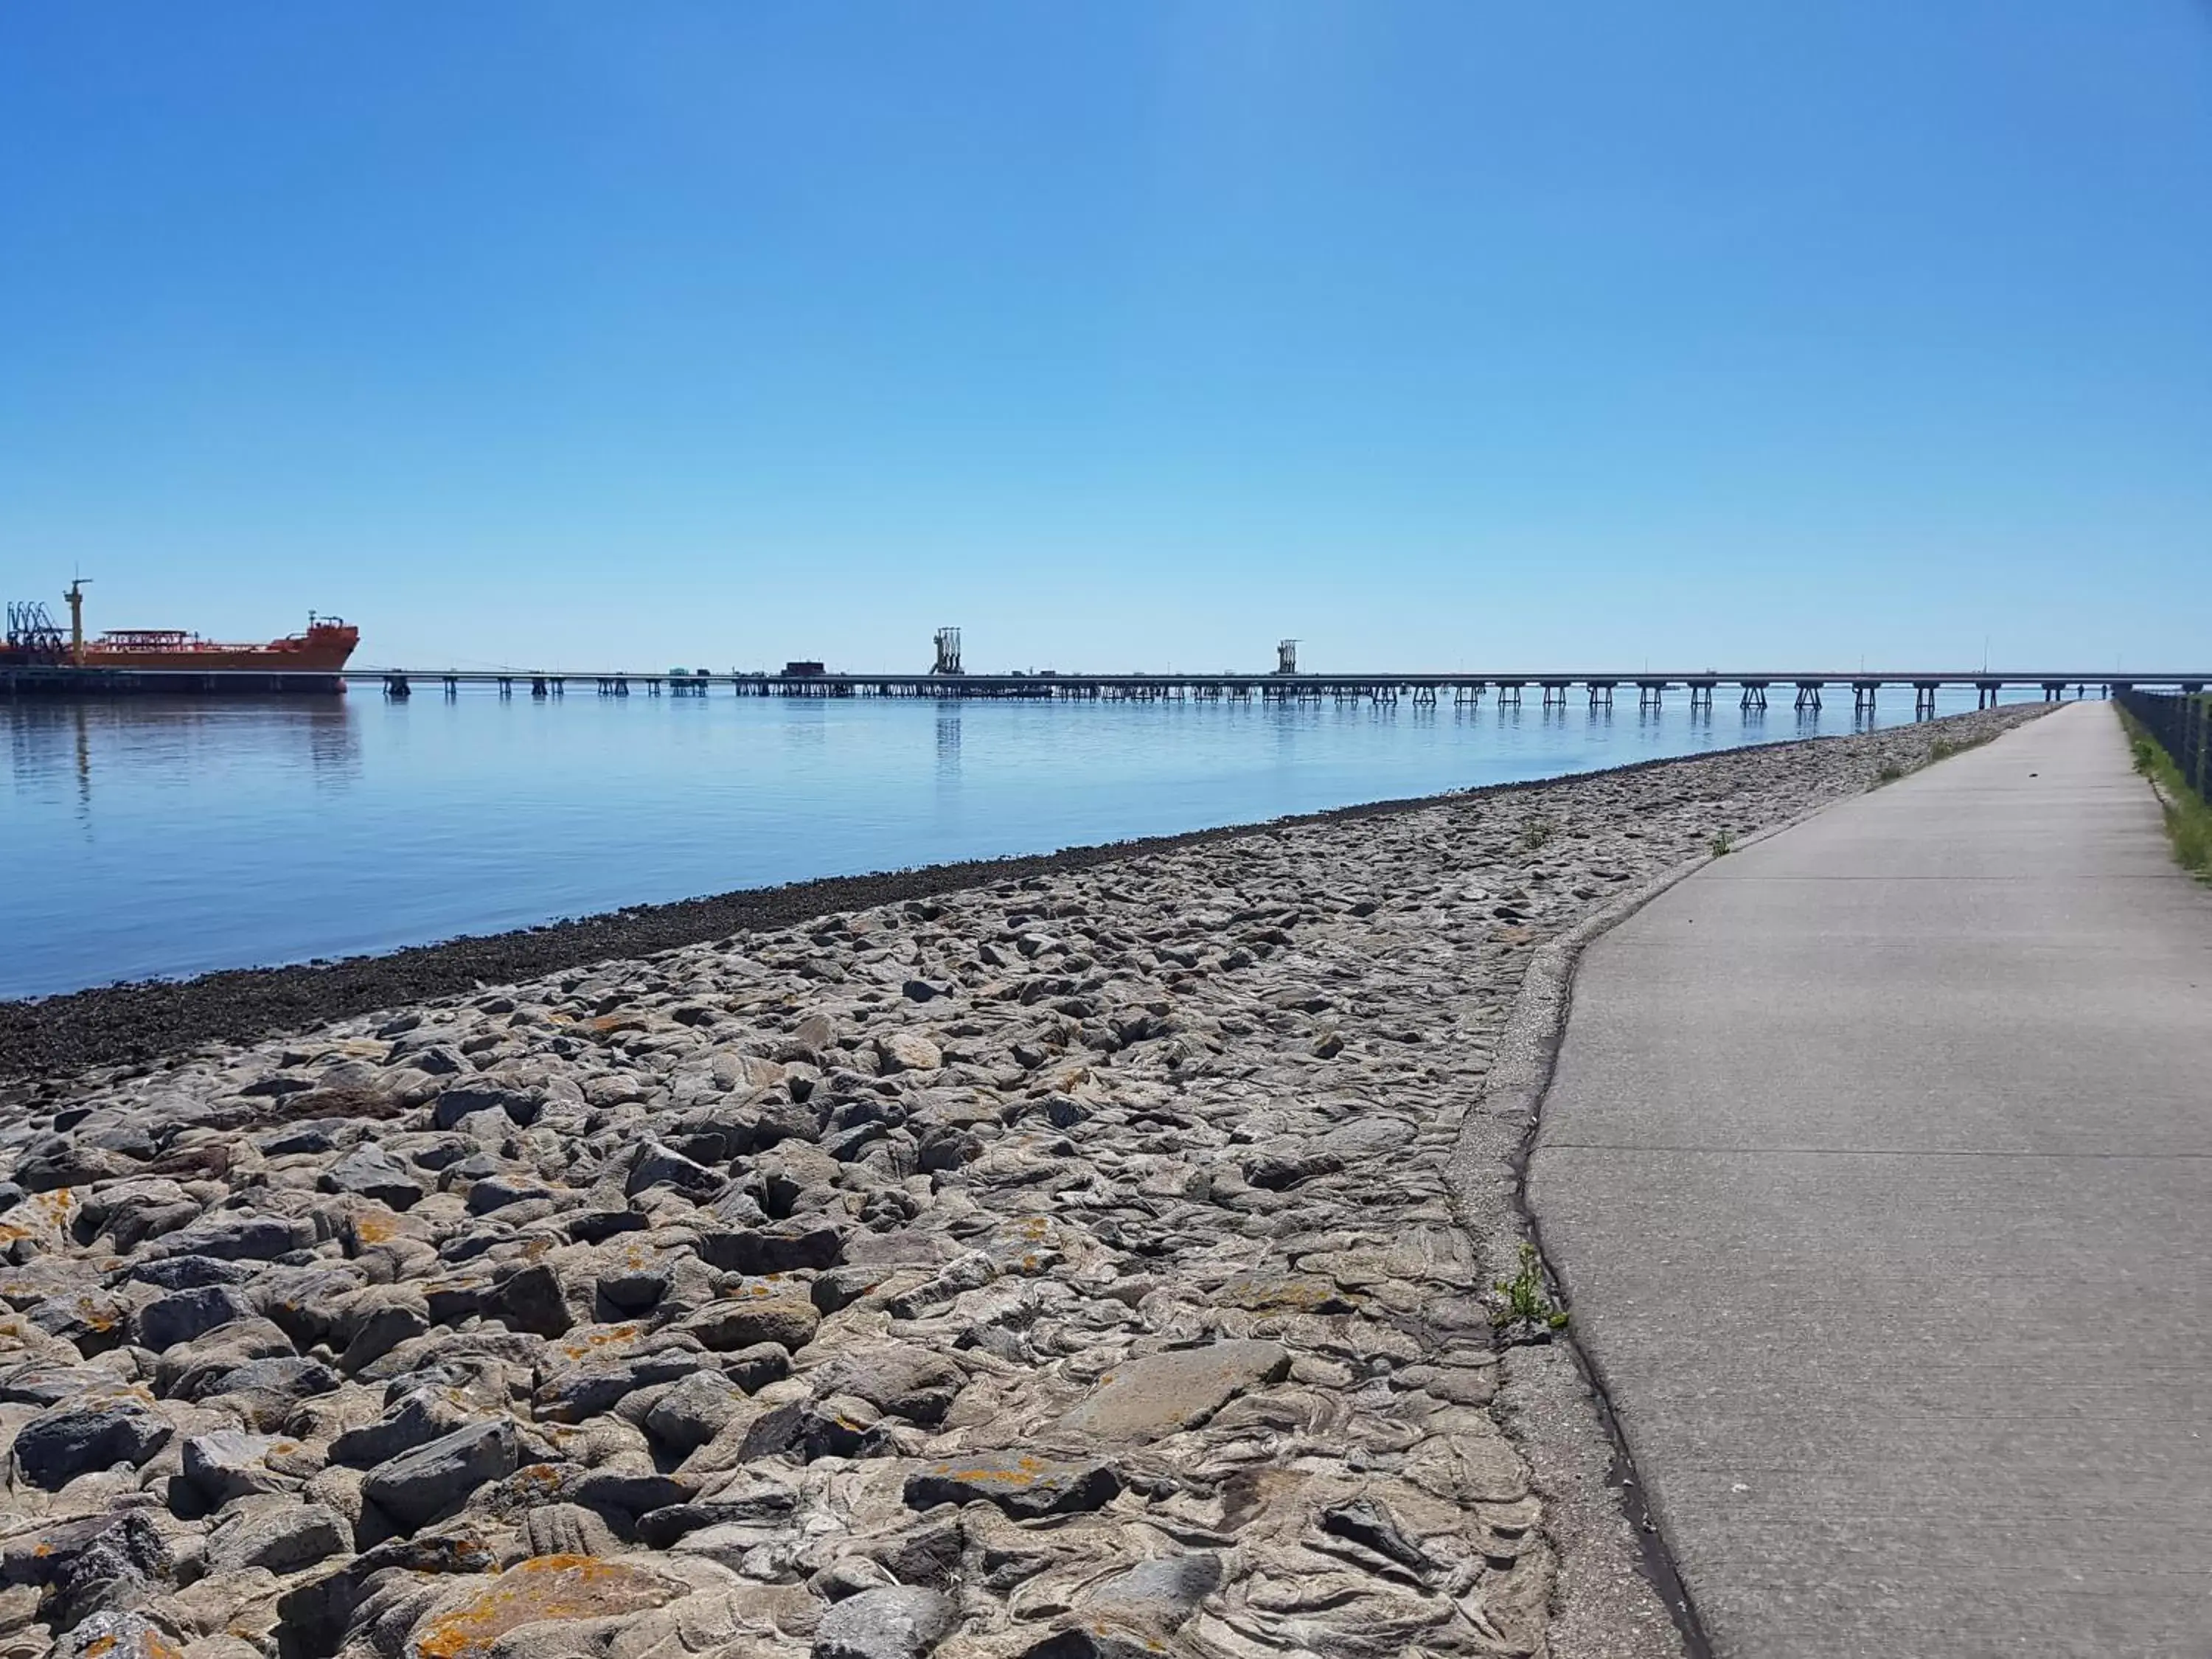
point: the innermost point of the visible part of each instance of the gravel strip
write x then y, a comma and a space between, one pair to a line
1069, 1266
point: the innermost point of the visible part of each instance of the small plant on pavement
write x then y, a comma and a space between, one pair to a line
1524, 1298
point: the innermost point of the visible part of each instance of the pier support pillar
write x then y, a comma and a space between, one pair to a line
395, 685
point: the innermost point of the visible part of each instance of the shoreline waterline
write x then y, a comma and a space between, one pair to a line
136, 1022
205, 836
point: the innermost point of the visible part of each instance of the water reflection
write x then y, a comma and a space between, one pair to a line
76, 747
948, 744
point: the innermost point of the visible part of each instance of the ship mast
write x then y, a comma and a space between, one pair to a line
76, 598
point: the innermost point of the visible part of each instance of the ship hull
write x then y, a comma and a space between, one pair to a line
50, 680
312, 657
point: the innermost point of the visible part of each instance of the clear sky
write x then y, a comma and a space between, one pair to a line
1123, 334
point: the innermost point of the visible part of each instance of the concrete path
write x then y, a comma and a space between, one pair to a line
1879, 1167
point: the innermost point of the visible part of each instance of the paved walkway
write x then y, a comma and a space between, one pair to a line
1879, 1165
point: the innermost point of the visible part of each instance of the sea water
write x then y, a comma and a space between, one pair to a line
155, 836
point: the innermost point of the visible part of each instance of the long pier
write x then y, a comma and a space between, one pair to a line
1552, 690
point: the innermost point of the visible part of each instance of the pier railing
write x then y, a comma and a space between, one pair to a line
2182, 726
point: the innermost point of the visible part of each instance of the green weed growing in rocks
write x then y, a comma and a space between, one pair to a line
1890, 772
1723, 844
1524, 1299
1537, 834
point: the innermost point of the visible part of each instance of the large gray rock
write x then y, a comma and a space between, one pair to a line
189, 1313
189, 1273
234, 1237
1163, 1394
421, 1485
693, 1412
788, 1319
264, 1391
584, 1391
1156, 1596
1025, 1487
907, 1051
663, 1166
896, 1622
57, 1446
107, 1564
40, 1382
281, 1540
371, 1172
230, 1463
899, 1377
398, 1314
416, 1419
464, 1099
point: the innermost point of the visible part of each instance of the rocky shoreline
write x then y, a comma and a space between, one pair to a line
1074, 1265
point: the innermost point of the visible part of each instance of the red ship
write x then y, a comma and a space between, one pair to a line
323, 649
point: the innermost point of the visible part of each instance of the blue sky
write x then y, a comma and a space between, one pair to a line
1122, 334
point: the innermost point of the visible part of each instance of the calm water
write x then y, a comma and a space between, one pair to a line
142, 837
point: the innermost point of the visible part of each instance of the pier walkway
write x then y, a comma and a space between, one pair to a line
1878, 1167
1552, 690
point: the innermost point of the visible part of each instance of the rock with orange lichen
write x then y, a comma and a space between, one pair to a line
118, 1636
1023, 1485
469, 1622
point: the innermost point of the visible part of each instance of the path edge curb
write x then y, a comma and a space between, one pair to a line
1618, 1594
